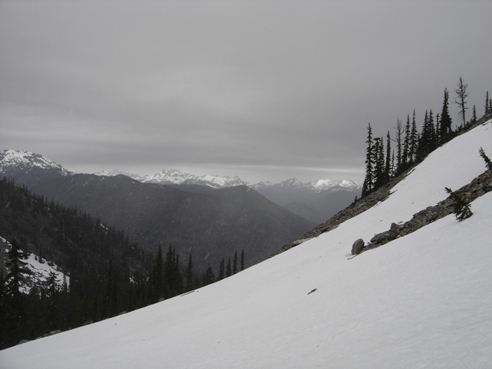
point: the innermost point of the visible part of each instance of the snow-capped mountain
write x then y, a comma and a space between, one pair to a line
317, 186
27, 161
115, 172
177, 177
420, 301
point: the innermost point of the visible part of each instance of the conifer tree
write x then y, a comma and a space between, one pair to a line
242, 259
414, 139
189, 275
462, 94
406, 146
399, 155
368, 184
488, 162
17, 268
208, 277
487, 103
461, 207
228, 268
387, 165
221, 269
234, 264
474, 116
445, 122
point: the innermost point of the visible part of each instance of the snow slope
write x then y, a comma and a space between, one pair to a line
421, 301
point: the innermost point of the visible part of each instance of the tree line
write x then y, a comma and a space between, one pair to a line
383, 162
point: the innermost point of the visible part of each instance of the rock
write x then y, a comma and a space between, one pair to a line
357, 246
384, 237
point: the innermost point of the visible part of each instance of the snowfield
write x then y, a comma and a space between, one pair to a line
421, 301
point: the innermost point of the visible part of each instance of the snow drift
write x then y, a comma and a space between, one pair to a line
421, 301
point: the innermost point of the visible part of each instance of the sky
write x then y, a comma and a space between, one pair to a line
265, 90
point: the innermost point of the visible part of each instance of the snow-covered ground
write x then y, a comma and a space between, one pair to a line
421, 301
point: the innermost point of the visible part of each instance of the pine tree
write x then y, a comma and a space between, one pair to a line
488, 162
414, 139
461, 207
487, 103
387, 165
462, 94
445, 123
221, 269
189, 276
378, 154
156, 283
399, 155
228, 268
234, 264
368, 184
474, 116
242, 259
17, 268
208, 277
406, 146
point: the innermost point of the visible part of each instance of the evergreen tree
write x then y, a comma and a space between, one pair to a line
368, 184
242, 259
399, 154
414, 139
488, 162
221, 269
378, 154
474, 116
228, 268
461, 207
234, 263
156, 288
387, 165
17, 268
208, 277
445, 122
406, 146
487, 103
462, 94
189, 276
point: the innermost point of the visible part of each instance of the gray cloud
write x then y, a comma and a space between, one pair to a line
264, 90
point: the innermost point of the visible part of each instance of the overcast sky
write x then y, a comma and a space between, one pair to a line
266, 90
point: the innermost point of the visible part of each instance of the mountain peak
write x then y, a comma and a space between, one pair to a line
10, 159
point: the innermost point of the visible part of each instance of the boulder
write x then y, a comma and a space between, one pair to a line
384, 237
357, 246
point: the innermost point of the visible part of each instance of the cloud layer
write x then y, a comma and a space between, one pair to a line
263, 90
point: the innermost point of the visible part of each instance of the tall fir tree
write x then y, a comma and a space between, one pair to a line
446, 121
398, 140
487, 103
414, 139
189, 275
242, 259
17, 269
368, 184
406, 147
387, 166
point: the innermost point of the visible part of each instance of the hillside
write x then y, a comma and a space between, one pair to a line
422, 300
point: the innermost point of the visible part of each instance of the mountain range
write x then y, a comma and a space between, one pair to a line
209, 224
316, 201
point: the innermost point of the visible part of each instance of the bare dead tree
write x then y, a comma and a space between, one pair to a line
462, 94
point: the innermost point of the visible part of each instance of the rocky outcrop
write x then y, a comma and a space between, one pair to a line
476, 188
